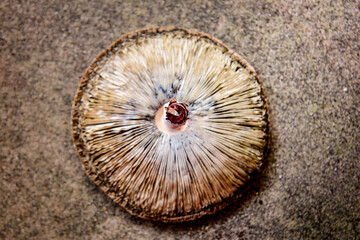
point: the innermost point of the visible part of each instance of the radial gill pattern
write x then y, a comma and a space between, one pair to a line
161, 175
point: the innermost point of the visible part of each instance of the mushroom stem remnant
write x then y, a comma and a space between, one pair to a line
176, 113
172, 117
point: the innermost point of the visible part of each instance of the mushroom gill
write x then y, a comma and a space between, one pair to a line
170, 123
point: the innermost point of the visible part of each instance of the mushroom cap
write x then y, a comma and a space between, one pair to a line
167, 176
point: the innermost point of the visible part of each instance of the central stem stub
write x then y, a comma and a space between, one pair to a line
176, 113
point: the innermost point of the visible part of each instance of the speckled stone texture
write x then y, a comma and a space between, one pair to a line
307, 56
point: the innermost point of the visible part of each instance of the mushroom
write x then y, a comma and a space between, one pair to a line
170, 123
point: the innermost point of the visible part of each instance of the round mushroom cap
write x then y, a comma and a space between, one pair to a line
160, 175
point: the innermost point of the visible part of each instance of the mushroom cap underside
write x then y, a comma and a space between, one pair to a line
161, 175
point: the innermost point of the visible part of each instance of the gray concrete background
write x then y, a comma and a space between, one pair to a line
307, 56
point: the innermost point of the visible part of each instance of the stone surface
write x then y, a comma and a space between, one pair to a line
307, 56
